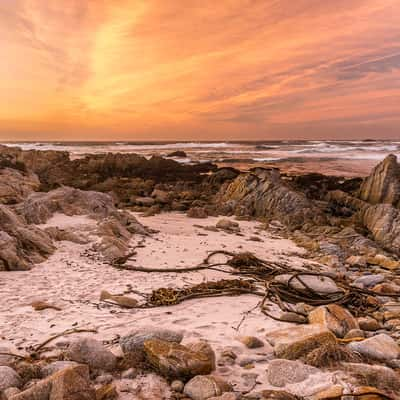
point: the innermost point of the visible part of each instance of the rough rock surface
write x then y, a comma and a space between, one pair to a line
176, 361
40, 207
16, 185
380, 347
204, 387
92, 352
335, 318
21, 245
133, 342
262, 193
383, 184
9, 378
283, 372
296, 342
69, 384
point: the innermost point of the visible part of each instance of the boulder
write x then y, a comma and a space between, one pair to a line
21, 245
296, 342
91, 352
197, 212
335, 318
16, 185
251, 342
283, 372
133, 342
68, 384
56, 366
367, 281
176, 361
383, 184
380, 347
368, 324
376, 375
320, 284
9, 378
228, 225
205, 387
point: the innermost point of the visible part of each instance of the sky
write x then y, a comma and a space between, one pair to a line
199, 69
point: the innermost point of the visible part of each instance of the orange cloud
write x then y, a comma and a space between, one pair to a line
233, 69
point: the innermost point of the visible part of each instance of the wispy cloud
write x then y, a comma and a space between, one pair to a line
205, 69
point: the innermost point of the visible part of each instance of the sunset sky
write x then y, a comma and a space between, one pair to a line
199, 69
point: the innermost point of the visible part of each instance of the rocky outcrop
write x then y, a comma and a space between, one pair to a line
39, 207
383, 185
383, 222
262, 193
16, 185
21, 245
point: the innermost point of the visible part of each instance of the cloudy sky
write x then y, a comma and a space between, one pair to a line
199, 69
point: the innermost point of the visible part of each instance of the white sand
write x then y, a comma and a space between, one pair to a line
72, 281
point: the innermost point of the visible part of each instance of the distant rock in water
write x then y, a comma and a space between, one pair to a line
383, 185
177, 154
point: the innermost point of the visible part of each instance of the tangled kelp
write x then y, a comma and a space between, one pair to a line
257, 278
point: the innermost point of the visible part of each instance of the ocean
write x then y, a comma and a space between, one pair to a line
336, 157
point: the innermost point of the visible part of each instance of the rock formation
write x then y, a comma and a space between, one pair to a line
262, 193
383, 185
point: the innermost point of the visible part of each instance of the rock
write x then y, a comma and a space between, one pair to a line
333, 392
384, 261
130, 373
369, 393
296, 342
151, 387
177, 386
21, 245
262, 193
104, 379
383, 223
197, 212
374, 375
69, 384
228, 225
355, 333
204, 387
106, 392
225, 396
123, 301
335, 318
380, 347
367, 281
368, 324
283, 372
9, 378
383, 185
176, 361
357, 261
251, 342
177, 154
16, 185
320, 284
38, 208
386, 288
203, 347
56, 366
133, 342
6, 360
92, 352
293, 317
161, 196
10, 392
277, 395
145, 201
